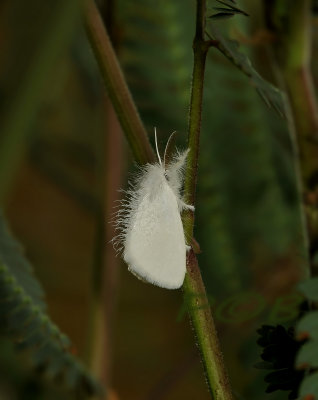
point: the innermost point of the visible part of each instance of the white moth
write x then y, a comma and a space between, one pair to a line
151, 234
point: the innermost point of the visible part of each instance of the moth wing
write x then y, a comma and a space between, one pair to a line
155, 248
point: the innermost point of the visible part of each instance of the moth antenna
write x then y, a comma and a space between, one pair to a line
160, 162
171, 137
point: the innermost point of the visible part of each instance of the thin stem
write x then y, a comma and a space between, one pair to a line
200, 20
205, 331
194, 124
116, 86
194, 290
132, 126
105, 266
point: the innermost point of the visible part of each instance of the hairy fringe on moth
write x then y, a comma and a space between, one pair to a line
150, 232
122, 218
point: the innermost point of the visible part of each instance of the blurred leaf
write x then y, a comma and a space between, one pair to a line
308, 326
52, 24
157, 61
279, 350
309, 387
11, 254
308, 355
241, 205
269, 93
23, 320
229, 9
222, 15
310, 288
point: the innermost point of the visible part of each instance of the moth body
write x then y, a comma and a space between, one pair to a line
151, 232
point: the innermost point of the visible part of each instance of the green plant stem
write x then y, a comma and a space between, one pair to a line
132, 126
116, 86
194, 290
290, 22
205, 331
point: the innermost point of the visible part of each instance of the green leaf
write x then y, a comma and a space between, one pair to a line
308, 355
308, 326
24, 321
310, 288
309, 386
268, 92
222, 15
229, 8
11, 253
